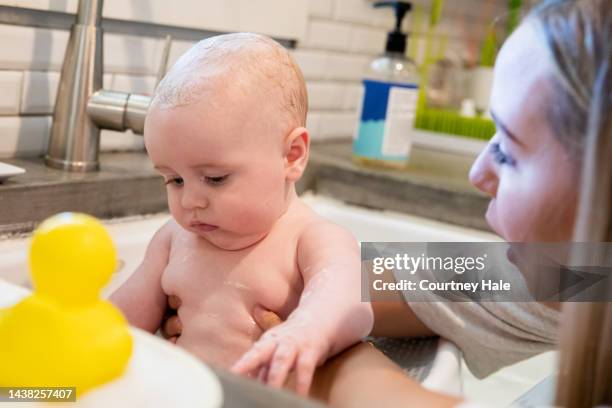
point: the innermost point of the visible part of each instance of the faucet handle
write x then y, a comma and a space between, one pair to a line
163, 64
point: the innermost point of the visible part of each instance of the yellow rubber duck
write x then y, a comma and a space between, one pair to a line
64, 334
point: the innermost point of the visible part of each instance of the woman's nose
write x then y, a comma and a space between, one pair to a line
483, 174
193, 197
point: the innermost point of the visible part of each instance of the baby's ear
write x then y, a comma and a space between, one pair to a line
296, 149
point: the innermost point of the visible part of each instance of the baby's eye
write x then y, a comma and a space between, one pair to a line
216, 181
176, 181
500, 156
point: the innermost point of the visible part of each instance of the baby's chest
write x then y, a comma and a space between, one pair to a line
203, 276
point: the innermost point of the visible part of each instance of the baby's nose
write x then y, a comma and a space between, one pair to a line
193, 198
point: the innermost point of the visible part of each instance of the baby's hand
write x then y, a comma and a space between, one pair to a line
296, 345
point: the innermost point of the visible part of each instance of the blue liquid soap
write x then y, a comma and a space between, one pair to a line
388, 109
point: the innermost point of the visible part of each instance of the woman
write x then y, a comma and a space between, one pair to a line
549, 174
548, 171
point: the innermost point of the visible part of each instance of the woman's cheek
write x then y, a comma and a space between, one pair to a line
510, 215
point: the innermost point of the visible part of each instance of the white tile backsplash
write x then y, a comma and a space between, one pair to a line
336, 41
23, 135
68, 6
320, 8
362, 12
132, 84
335, 125
328, 35
120, 141
314, 64
27, 48
178, 48
10, 92
347, 66
278, 18
368, 40
352, 96
312, 124
127, 54
39, 92
325, 95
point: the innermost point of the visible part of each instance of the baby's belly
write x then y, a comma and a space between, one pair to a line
218, 331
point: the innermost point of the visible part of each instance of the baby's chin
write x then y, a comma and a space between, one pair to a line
230, 241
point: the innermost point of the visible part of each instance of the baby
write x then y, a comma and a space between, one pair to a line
226, 131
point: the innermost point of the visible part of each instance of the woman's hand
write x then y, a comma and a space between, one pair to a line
171, 327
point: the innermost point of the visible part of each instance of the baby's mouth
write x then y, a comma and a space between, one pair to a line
203, 227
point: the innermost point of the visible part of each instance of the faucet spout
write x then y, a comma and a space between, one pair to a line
74, 140
82, 108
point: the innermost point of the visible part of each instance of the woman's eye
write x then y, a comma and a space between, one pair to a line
176, 181
216, 181
500, 156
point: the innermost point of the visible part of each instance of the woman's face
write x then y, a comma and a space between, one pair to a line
527, 173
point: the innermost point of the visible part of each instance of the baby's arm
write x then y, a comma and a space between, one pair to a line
141, 298
329, 317
330, 260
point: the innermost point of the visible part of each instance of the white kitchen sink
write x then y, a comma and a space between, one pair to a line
131, 236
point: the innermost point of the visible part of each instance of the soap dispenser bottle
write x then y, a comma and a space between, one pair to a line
390, 94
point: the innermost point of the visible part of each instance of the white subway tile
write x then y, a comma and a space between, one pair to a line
27, 48
128, 54
337, 125
277, 18
368, 40
107, 80
177, 49
312, 124
133, 84
39, 92
328, 35
353, 94
320, 8
314, 64
347, 67
120, 141
207, 14
10, 92
325, 95
23, 136
68, 6
362, 12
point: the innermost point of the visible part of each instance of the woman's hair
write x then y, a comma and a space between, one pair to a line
578, 36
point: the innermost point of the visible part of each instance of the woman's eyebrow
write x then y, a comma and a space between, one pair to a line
505, 129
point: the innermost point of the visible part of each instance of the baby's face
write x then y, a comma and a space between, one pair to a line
223, 166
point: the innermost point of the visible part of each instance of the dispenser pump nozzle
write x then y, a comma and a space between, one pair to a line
396, 39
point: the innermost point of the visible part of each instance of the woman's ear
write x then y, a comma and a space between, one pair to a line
296, 150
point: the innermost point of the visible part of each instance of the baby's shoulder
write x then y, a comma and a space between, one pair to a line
167, 233
320, 229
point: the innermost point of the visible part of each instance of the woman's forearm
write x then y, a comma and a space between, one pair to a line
393, 317
363, 377
396, 319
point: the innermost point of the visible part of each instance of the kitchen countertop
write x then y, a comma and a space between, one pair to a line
434, 185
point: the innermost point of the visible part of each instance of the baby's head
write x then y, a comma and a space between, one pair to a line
226, 131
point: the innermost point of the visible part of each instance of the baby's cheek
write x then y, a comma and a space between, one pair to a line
254, 218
